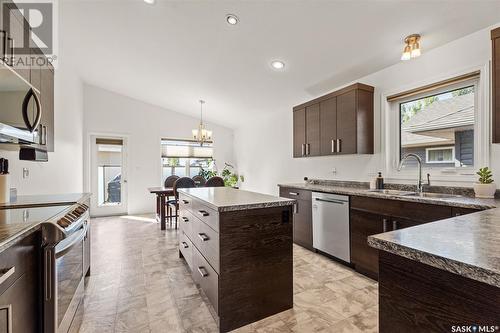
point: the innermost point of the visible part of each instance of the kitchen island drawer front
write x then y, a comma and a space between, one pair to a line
16, 260
186, 248
205, 276
186, 222
396, 208
185, 202
207, 242
206, 214
292, 193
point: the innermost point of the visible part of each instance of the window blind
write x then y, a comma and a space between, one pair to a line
171, 148
433, 86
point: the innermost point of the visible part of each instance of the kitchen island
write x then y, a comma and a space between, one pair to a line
441, 276
238, 246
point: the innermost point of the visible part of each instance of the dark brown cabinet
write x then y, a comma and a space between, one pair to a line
302, 216
495, 71
338, 123
20, 289
370, 216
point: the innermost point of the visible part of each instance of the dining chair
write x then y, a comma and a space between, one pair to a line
199, 180
183, 182
169, 182
215, 182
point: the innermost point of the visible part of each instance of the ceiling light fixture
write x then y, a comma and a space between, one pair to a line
412, 47
277, 64
201, 134
150, 2
232, 19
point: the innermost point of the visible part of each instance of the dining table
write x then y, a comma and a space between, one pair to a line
162, 195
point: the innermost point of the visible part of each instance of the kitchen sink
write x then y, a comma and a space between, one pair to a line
393, 192
431, 195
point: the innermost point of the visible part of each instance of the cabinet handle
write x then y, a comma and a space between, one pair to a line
6, 273
203, 213
303, 149
203, 237
8, 308
185, 202
293, 193
394, 225
384, 225
333, 146
308, 149
296, 208
185, 219
203, 272
339, 145
185, 245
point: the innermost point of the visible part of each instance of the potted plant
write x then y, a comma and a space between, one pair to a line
231, 179
486, 188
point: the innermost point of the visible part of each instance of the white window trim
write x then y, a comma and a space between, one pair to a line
427, 150
390, 126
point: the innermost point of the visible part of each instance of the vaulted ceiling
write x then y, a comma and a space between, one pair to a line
173, 53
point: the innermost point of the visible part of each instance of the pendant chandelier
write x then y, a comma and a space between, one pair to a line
201, 134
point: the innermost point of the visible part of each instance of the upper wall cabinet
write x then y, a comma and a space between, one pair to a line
338, 123
495, 69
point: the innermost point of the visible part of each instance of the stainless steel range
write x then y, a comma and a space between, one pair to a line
65, 258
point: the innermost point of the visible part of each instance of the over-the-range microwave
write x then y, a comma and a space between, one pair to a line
20, 109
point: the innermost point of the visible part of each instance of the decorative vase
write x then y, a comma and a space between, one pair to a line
485, 190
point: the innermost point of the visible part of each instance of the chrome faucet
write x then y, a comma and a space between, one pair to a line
420, 182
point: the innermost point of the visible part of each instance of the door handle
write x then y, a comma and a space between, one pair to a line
203, 272
394, 225
6, 273
384, 225
203, 237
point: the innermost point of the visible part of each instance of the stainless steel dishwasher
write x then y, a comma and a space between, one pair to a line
331, 225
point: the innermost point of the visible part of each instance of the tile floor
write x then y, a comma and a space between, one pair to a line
139, 284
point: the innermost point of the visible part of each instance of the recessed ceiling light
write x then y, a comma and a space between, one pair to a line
232, 19
150, 2
276, 64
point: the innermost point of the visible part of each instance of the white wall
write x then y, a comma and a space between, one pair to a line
263, 147
106, 112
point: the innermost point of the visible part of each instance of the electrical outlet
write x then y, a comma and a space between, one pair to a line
26, 173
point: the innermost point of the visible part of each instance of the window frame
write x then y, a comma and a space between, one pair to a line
427, 150
390, 132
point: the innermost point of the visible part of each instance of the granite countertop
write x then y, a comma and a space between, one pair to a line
463, 201
225, 199
17, 223
45, 200
24, 216
467, 245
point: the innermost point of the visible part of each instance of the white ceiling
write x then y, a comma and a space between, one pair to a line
173, 53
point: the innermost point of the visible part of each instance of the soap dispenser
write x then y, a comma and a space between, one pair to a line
380, 181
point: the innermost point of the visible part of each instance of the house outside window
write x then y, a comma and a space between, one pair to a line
184, 158
440, 128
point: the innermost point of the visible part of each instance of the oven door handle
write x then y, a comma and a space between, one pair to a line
72, 241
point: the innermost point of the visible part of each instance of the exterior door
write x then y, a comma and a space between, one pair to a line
108, 175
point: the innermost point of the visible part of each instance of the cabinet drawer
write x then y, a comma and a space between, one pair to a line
186, 221
206, 278
206, 214
207, 242
293, 193
186, 248
412, 210
18, 259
